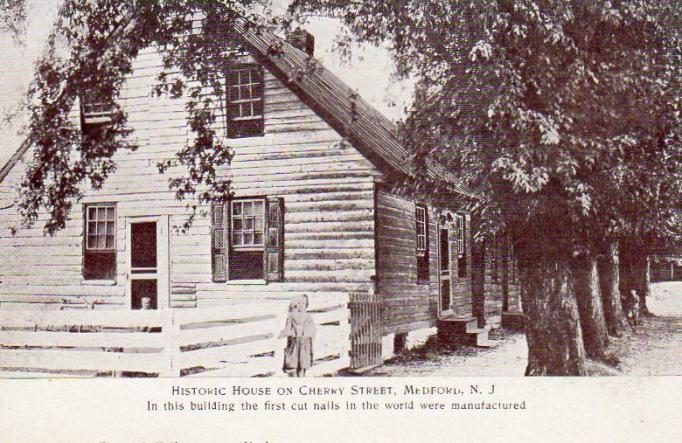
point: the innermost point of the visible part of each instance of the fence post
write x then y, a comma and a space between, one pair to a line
171, 332
278, 343
345, 331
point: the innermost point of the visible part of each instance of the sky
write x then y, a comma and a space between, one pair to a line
369, 71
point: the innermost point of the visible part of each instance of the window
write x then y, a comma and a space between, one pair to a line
95, 114
247, 224
422, 244
99, 261
248, 239
461, 246
245, 101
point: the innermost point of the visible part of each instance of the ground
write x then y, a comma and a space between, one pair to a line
654, 348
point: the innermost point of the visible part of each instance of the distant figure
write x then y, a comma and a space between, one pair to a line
300, 331
631, 306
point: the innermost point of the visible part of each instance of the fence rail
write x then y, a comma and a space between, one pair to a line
235, 340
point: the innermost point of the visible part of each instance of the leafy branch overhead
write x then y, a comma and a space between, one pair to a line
13, 18
561, 113
90, 52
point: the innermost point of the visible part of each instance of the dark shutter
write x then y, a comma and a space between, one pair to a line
274, 246
219, 244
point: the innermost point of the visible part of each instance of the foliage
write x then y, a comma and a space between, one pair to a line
90, 51
565, 115
13, 18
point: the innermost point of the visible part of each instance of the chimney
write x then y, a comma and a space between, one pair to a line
303, 40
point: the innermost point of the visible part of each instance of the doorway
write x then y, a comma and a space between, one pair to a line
147, 276
445, 270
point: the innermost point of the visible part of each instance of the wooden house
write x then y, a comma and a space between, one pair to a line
314, 212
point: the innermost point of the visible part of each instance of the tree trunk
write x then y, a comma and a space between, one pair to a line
555, 345
588, 296
609, 281
635, 275
505, 277
643, 285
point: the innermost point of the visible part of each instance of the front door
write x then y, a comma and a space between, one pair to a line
147, 276
445, 269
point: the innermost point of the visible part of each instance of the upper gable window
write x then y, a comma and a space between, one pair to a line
245, 101
95, 113
94, 110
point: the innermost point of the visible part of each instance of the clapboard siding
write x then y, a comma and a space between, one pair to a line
326, 184
407, 301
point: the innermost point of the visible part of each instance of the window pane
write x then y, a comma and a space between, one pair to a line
237, 224
101, 242
111, 214
258, 238
248, 238
237, 238
248, 208
92, 242
92, 228
110, 228
101, 213
258, 223
110, 242
248, 223
92, 213
236, 208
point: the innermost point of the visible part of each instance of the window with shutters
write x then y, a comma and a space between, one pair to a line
422, 244
99, 249
461, 246
248, 240
245, 101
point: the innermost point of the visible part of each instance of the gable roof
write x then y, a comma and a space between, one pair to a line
375, 136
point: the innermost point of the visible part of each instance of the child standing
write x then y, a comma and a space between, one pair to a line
632, 309
300, 331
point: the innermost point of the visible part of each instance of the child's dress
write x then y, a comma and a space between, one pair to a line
300, 331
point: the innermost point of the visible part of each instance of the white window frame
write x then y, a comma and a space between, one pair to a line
100, 207
420, 214
238, 100
253, 231
461, 229
93, 111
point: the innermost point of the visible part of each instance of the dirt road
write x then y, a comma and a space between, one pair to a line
655, 348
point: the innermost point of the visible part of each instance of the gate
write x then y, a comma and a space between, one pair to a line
366, 327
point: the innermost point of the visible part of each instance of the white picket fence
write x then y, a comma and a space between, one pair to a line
235, 340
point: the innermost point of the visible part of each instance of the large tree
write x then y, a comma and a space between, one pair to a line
564, 115
89, 53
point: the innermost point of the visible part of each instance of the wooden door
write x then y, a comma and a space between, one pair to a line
147, 281
445, 269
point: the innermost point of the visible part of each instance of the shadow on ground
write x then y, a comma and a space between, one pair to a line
654, 348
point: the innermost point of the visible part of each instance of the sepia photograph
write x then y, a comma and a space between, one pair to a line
347, 191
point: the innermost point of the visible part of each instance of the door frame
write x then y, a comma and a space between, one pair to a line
162, 260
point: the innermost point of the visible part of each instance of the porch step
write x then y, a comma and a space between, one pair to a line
464, 331
514, 321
